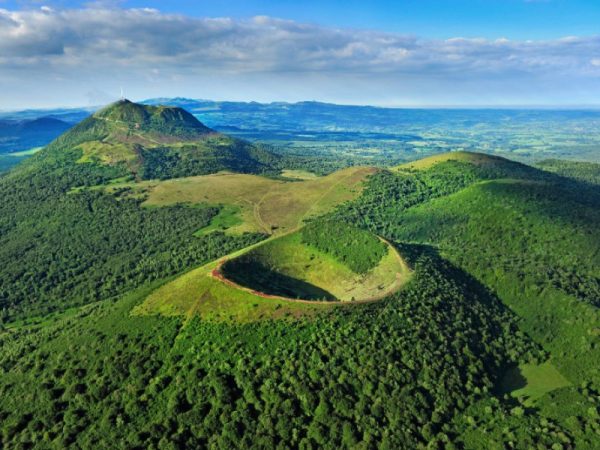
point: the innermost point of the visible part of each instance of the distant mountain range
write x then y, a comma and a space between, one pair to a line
320, 116
386, 134
19, 135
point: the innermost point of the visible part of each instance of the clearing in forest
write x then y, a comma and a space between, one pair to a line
265, 205
532, 381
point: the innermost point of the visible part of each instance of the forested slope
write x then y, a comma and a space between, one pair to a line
529, 236
505, 261
388, 375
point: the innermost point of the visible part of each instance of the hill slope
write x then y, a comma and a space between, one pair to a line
532, 238
478, 159
147, 142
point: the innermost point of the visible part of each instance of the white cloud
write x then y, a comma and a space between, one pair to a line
145, 44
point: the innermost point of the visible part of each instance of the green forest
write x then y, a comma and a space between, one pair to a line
358, 249
493, 343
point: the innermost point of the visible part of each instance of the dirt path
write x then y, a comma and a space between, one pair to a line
322, 196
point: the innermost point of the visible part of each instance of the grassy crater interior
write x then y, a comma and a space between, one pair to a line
287, 267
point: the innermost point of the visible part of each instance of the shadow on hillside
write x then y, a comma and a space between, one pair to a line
504, 320
264, 279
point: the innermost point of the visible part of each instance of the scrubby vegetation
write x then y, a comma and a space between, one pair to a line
211, 155
358, 249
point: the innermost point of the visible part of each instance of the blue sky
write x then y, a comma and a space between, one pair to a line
404, 52
517, 19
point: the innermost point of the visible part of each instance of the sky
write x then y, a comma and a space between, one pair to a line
388, 53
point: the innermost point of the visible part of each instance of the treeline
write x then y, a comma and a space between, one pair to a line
358, 249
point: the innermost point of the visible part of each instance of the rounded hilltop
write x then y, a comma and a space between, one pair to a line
163, 119
475, 158
127, 139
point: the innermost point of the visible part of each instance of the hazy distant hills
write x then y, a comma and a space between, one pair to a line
378, 135
19, 135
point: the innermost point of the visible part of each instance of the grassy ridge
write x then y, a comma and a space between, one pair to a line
201, 293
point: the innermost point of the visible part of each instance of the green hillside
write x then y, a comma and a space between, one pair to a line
583, 171
532, 239
129, 319
147, 142
294, 268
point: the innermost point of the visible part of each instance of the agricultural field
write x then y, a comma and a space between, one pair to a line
10, 160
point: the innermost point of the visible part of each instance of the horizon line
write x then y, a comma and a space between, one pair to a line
537, 107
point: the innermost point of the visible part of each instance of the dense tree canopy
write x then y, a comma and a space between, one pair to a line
505, 264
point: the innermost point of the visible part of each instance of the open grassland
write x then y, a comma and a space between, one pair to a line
298, 174
227, 217
531, 381
265, 205
106, 152
468, 157
204, 292
287, 267
199, 293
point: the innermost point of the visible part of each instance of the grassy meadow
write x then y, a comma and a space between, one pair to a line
265, 205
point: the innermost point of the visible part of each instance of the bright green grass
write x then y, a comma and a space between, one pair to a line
291, 268
229, 216
199, 293
462, 156
531, 381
